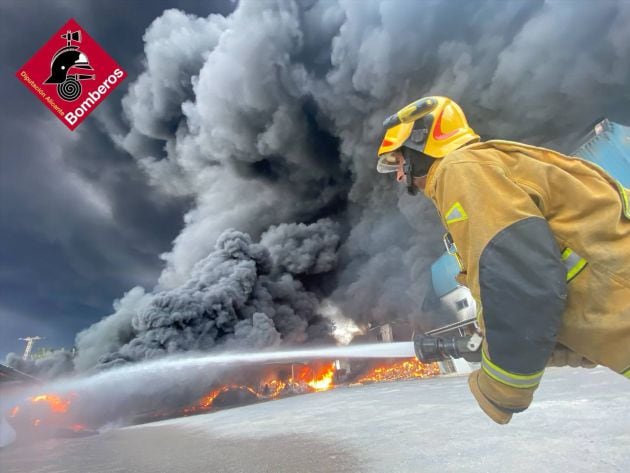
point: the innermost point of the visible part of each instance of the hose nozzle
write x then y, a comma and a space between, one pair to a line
431, 349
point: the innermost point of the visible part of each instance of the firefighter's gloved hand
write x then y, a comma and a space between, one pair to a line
499, 401
563, 356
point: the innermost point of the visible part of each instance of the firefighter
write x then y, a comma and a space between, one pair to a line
543, 242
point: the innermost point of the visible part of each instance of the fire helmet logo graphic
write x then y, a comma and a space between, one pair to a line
64, 67
71, 74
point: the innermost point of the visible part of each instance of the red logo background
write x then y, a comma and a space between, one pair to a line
38, 69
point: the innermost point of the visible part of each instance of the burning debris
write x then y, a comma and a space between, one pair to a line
55, 403
46, 415
304, 378
272, 382
405, 369
53, 414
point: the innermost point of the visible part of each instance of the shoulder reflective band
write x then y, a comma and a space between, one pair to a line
573, 262
626, 373
521, 381
456, 214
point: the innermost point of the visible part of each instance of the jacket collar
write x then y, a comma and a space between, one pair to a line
429, 187
429, 184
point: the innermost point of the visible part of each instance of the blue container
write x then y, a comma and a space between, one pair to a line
608, 146
443, 272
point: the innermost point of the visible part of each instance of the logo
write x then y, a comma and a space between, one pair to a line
71, 74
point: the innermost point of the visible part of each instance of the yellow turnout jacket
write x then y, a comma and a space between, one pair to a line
544, 244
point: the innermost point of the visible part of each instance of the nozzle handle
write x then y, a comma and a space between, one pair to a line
431, 349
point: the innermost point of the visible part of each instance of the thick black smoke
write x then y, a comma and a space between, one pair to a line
272, 115
242, 295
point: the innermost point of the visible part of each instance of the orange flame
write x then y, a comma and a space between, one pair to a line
324, 379
309, 378
55, 403
272, 389
317, 378
207, 401
304, 377
57, 410
405, 369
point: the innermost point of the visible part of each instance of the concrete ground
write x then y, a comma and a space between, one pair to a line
579, 422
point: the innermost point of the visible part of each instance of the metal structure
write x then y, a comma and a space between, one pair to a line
29, 345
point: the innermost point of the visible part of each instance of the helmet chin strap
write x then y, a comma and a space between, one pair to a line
416, 164
412, 189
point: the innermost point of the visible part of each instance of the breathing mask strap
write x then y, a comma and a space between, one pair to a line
416, 164
412, 189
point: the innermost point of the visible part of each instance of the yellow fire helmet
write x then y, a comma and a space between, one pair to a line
434, 126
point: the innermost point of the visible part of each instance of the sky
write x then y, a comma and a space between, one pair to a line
80, 223
226, 192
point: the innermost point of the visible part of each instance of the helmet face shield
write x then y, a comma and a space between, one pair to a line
389, 162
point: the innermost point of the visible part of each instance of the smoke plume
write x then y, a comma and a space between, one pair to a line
55, 364
242, 295
269, 119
